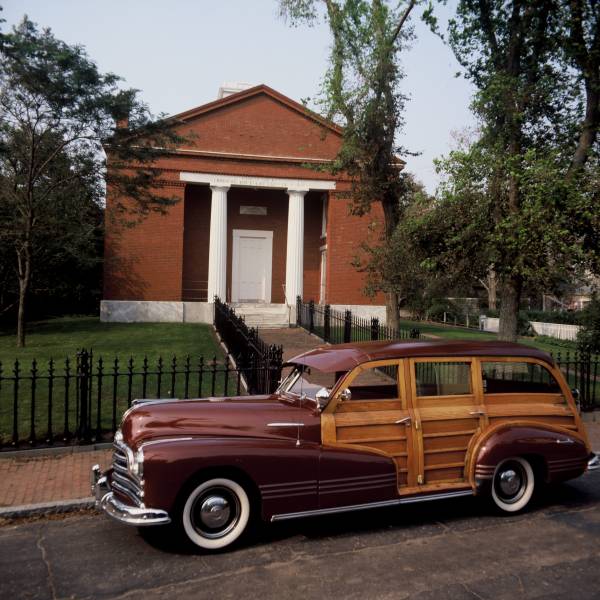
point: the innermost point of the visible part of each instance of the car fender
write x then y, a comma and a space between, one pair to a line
560, 452
283, 473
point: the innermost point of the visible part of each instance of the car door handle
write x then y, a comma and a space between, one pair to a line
405, 421
478, 413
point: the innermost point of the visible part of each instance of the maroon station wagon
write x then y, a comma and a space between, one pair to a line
351, 427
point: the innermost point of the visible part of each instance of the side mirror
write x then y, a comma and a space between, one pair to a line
322, 398
345, 395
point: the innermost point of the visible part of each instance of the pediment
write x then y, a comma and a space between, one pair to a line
259, 122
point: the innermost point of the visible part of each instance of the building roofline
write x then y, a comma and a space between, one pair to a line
249, 93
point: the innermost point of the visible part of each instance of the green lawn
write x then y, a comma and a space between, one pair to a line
115, 384
462, 333
58, 338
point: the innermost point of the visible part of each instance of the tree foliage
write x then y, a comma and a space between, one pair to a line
58, 117
588, 338
524, 197
361, 91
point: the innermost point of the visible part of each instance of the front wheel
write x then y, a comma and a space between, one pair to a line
513, 483
216, 513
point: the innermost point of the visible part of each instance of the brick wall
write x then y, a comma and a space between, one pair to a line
145, 262
313, 216
196, 238
345, 234
151, 260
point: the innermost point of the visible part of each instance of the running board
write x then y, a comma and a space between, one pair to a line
353, 507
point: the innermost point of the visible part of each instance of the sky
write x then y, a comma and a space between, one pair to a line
178, 53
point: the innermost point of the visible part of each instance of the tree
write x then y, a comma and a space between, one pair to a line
537, 203
361, 91
398, 265
57, 115
588, 337
67, 243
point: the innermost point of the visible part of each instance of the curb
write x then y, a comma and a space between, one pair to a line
52, 451
46, 508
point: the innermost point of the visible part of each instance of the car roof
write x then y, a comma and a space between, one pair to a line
343, 357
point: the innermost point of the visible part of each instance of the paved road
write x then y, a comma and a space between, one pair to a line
451, 550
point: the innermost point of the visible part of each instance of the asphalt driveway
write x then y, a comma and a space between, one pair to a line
447, 550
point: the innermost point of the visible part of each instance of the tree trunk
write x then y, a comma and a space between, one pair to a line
24, 271
509, 309
392, 314
492, 289
492, 299
23, 285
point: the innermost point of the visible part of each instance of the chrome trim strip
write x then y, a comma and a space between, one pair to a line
165, 440
392, 476
299, 488
117, 467
121, 489
290, 494
130, 485
353, 507
269, 486
285, 424
124, 449
593, 463
142, 401
351, 490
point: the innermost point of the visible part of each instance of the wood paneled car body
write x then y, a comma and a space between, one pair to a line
350, 427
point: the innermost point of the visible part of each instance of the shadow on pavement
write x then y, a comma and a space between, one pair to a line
430, 518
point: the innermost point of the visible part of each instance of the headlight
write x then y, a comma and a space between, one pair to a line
137, 468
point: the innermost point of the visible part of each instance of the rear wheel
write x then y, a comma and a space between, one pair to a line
513, 484
216, 513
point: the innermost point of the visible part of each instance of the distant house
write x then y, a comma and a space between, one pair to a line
255, 223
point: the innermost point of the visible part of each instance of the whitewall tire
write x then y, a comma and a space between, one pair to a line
216, 513
513, 484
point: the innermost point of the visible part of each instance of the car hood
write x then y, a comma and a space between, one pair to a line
242, 416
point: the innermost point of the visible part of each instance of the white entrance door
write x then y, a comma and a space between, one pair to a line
252, 266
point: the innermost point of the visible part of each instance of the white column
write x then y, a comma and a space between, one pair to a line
294, 265
217, 250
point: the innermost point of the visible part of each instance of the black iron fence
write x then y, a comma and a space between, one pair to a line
83, 398
258, 362
582, 372
581, 369
338, 327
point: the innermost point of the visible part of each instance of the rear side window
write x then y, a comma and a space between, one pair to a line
443, 378
379, 383
517, 378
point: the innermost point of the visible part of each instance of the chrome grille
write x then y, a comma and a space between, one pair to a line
122, 480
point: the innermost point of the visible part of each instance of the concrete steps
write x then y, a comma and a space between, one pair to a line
263, 316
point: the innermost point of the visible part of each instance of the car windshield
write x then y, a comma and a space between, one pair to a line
298, 380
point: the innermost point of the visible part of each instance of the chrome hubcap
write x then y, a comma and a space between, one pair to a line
215, 511
509, 482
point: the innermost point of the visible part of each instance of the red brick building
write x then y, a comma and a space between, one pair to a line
254, 222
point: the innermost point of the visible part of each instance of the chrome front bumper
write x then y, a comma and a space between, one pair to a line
131, 515
593, 462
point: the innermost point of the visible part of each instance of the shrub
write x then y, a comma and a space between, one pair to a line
588, 338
